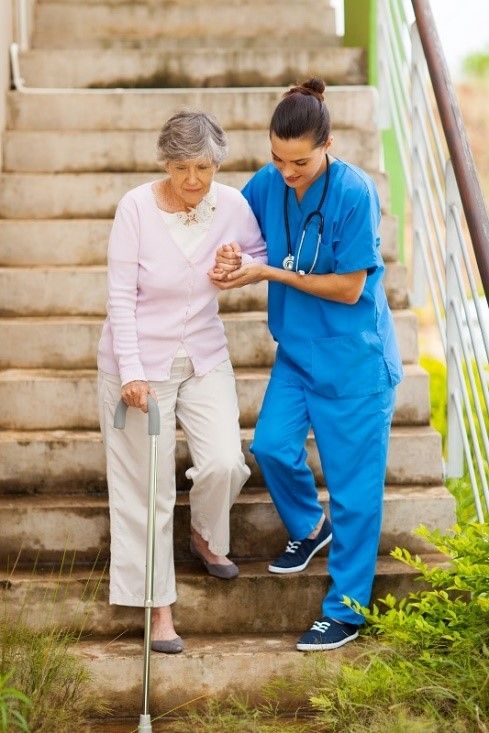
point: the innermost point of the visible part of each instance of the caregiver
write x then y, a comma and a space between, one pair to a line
337, 361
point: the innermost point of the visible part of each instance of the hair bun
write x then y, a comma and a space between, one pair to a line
316, 86
313, 87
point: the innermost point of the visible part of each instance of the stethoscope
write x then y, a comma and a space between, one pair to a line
291, 262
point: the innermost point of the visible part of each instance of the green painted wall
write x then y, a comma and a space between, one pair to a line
360, 30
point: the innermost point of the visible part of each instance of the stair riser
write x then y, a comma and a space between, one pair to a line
197, 68
249, 604
58, 534
73, 152
177, 680
354, 107
79, 292
83, 242
83, 195
61, 344
75, 462
102, 24
34, 402
70, 344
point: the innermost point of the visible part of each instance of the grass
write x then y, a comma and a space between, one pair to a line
49, 689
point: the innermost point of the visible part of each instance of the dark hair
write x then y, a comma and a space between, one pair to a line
303, 112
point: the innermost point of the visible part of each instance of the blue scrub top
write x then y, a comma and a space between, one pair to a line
338, 350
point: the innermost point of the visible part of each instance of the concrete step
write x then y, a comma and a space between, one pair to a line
70, 342
67, 400
72, 242
52, 242
75, 530
59, 343
82, 291
85, 25
78, 600
86, 195
212, 667
139, 109
61, 290
81, 152
72, 461
206, 67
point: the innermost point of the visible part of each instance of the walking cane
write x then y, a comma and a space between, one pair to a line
153, 432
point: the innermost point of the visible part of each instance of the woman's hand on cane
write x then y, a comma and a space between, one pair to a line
135, 394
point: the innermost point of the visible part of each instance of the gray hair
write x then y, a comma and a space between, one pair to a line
189, 135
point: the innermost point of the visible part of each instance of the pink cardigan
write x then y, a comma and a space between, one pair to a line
157, 298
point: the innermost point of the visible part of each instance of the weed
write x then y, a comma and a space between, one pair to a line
11, 718
49, 684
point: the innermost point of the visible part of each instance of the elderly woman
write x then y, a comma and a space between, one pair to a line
163, 336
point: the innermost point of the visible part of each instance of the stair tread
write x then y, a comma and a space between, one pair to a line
196, 646
247, 433
229, 316
223, 46
14, 374
252, 495
89, 269
116, 109
386, 565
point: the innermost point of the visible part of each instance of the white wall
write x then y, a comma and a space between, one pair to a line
6, 38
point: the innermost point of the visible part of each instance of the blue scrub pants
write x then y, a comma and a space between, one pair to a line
352, 436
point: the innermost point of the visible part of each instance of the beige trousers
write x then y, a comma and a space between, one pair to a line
207, 410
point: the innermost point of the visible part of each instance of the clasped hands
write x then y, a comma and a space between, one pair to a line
230, 272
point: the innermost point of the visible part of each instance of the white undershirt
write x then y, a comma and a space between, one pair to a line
188, 235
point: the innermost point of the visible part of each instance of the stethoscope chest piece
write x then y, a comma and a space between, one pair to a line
288, 262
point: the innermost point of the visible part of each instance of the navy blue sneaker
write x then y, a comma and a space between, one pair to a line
298, 555
327, 634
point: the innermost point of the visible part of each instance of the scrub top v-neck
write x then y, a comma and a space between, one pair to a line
337, 349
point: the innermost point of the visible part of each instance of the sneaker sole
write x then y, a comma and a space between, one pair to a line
298, 568
325, 647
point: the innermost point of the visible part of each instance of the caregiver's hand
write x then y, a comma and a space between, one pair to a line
245, 275
135, 394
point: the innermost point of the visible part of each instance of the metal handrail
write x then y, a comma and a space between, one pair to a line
442, 185
456, 138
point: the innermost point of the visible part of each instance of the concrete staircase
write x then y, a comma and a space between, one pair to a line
69, 155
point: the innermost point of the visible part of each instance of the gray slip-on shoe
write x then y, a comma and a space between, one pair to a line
170, 646
225, 572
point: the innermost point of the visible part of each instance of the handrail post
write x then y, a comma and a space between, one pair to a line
418, 158
455, 451
23, 24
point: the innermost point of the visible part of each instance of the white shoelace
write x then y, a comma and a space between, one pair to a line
321, 626
292, 546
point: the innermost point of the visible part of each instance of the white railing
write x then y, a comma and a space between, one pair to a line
442, 258
22, 13
22, 35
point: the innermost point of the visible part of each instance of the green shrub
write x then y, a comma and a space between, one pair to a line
437, 371
461, 488
453, 615
433, 669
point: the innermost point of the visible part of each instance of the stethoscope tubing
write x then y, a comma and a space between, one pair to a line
292, 261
